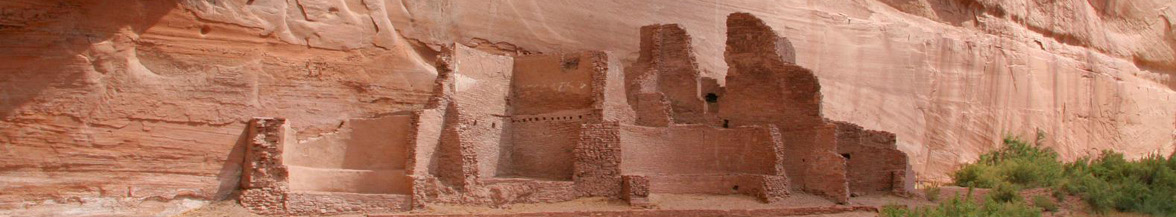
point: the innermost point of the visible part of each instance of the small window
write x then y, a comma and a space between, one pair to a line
712, 98
846, 156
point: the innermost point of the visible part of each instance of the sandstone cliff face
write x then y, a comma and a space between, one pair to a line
140, 106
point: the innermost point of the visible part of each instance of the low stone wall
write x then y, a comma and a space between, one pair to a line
698, 149
322, 203
493, 192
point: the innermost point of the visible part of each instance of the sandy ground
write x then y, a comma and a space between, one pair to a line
662, 201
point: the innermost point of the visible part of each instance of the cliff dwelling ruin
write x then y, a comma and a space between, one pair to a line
555, 127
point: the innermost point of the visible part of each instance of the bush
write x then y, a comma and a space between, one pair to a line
1106, 182
1045, 203
1017, 163
957, 206
976, 175
1005, 193
1059, 194
1111, 182
895, 211
932, 193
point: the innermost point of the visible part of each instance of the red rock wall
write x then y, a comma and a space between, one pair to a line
149, 103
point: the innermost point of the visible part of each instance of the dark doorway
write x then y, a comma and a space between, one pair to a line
712, 98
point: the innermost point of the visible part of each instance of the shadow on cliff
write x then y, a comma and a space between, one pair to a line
45, 45
229, 177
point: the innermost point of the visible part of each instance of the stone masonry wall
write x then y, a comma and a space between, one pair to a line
667, 65
480, 98
264, 178
874, 163
764, 88
598, 160
265, 183
697, 149
761, 85
551, 97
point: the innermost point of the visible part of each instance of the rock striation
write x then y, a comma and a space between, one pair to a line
144, 107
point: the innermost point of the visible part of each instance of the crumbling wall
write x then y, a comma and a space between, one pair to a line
635, 190
666, 66
763, 87
480, 93
456, 164
264, 178
873, 162
761, 84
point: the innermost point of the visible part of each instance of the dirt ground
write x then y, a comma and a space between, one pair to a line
662, 201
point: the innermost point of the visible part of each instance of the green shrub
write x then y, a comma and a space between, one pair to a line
1045, 203
1005, 193
894, 211
1106, 182
1059, 194
932, 193
1015, 209
1017, 163
957, 206
976, 175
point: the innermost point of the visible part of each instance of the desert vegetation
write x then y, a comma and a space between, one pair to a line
1105, 182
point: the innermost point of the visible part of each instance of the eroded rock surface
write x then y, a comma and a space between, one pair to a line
142, 107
